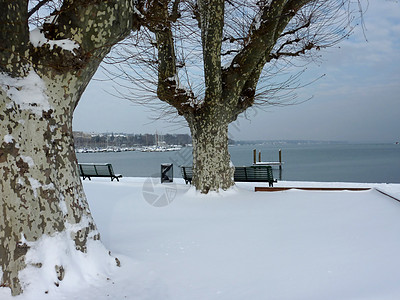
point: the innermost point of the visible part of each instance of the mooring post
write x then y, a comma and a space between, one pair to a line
254, 156
259, 156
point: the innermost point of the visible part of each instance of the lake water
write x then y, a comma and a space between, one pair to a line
374, 163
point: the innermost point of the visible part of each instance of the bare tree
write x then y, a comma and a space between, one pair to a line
43, 74
210, 60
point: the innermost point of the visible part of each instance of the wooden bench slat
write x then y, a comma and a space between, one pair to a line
87, 170
242, 174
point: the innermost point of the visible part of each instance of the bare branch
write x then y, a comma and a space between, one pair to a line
37, 7
307, 47
168, 87
257, 37
229, 52
175, 14
293, 31
212, 23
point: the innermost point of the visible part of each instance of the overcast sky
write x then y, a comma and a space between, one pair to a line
358, 99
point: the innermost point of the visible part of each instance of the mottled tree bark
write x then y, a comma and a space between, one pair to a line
211, 158
41, 193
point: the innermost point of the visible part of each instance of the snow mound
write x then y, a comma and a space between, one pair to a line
233, 245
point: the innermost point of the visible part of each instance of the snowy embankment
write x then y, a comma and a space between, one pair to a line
240, 244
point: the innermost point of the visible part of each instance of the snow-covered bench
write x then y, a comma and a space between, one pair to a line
97, 170
242, 174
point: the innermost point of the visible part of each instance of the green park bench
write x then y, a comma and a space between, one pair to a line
89, 170
242, 174
187, 174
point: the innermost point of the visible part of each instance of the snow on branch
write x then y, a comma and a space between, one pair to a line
38, 39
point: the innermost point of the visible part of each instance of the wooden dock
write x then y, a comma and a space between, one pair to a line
267, 163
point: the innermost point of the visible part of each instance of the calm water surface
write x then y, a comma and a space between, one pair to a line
376, 163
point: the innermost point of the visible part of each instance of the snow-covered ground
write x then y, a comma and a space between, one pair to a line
240, 244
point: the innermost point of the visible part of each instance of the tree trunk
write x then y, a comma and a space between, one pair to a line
41, 193
211, 158
43, 74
